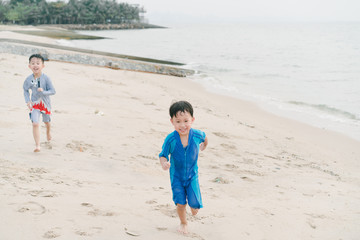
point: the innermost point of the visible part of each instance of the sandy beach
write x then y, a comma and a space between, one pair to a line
261, 177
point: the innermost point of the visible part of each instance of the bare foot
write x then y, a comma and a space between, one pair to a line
37, 149
183, 229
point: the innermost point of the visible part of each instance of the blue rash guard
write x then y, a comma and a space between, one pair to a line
183, 167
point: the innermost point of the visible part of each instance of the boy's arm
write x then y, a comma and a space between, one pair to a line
204, 144
50, 90
167, 149
164, 163
27, 95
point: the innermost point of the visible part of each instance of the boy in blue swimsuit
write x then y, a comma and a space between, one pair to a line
39, 103
183, 146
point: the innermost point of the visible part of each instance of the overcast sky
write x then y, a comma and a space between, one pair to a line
185, 11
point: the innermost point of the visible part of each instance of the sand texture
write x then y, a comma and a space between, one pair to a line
261, 177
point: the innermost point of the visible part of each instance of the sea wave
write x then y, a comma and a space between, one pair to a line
328, 109
293, 65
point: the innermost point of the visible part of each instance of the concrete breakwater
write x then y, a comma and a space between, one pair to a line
97, 58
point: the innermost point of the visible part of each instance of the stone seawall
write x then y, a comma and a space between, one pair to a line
103, 59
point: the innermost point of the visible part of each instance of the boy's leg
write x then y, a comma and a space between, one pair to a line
35, 116
46, 120
181, 210
48, 127
36, 134
179, 197
194, 196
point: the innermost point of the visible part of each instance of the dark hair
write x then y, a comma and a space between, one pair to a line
36, 56
180, 106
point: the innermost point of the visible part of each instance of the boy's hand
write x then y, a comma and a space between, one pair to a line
164, 163
204, 144
29, 105
40, 89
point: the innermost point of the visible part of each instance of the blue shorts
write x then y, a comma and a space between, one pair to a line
188, 191
35, 116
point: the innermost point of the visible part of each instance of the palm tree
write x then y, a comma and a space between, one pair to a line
72, 12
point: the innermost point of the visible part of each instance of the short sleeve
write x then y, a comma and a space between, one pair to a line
199, 136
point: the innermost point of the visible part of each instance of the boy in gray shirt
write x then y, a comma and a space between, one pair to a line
39, 104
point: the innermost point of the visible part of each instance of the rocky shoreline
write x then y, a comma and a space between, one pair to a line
74, 55
55, 52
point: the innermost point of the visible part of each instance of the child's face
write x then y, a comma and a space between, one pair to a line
36, 66
182, 122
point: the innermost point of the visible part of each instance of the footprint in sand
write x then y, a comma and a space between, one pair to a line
33, 208
231, 166
158, 188
151, 202
37, 170
311, 223
54, 233
97, 212
228, 146
247, 125
221, 180
253, 173
150, 104
311, 220
60, 111
42, 193
89, 232
247, 179
167, 210
161, 228
46, 145
79, 146
147, 157
109, 82
87, 205
194, 235
219, 134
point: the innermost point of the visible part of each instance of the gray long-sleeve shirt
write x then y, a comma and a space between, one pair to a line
31, 83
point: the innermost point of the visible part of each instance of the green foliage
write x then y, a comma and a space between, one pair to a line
73, 12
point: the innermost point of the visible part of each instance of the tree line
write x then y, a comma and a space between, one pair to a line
34, 12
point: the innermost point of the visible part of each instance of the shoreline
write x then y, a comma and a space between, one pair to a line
67, 31
262, 176
12, 42
328, 118
123, 26
294, 115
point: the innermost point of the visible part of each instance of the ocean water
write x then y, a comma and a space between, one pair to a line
305, 71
